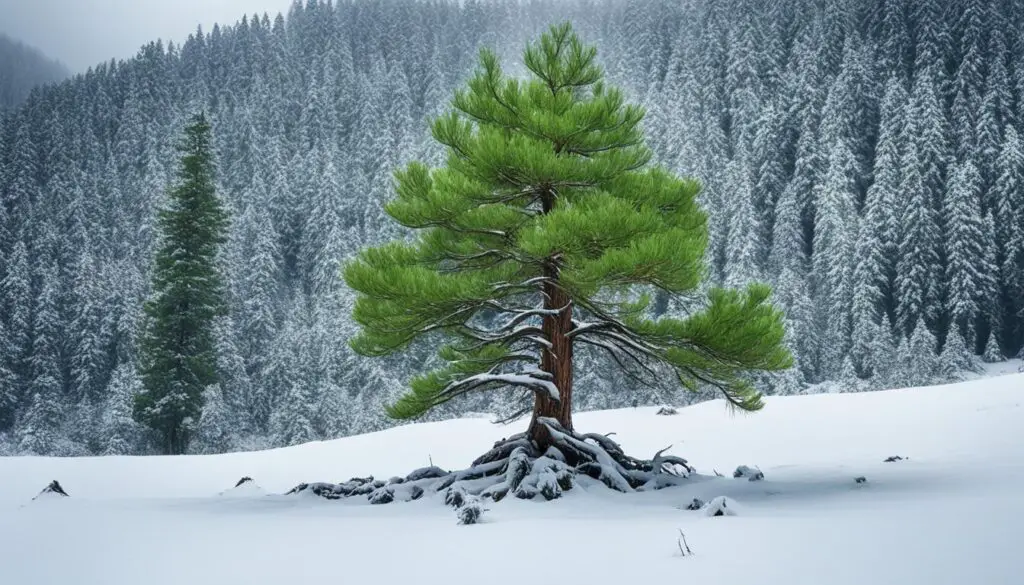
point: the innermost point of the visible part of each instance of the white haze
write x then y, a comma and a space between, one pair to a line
80, 33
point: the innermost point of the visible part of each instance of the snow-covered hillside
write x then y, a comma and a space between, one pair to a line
951, 513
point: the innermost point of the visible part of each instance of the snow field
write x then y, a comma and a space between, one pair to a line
949, 514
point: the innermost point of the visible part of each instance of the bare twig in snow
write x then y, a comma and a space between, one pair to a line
684, 548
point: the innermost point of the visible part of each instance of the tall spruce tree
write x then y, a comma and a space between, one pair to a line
545, 230
178, 350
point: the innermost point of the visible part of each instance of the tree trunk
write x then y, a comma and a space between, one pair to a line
557, 360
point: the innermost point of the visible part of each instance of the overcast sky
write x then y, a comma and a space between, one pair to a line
81, 33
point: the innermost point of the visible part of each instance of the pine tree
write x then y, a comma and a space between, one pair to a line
38, 431
881, 359
956, 358
990, 318
895, 55
234, 388
1007, 193
966, 273
119, 433
992, 352
178, 353
214, 431
17, 303
793, 297
8, 396
43, 418
995, 111
904, 366
917, 264
544, 203
259, 288
849, 381
89, 352
925, 364
874, 272
293, 422
742, 243
969, 79
835, 232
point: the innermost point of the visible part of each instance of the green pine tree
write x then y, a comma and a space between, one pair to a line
178, 355
547, 228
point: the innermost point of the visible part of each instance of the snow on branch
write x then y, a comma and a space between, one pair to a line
533, 379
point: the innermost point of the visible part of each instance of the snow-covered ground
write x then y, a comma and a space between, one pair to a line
952, 513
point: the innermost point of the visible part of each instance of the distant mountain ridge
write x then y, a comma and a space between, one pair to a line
22, 68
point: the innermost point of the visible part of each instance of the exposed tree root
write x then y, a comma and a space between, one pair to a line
516, 466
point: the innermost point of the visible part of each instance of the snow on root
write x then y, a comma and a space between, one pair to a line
751, 473
696, 504
244, 488
720, 506
52, 491
402, 489
471, 511
516, 466
468, 508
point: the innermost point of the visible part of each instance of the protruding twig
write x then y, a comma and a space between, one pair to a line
684, 548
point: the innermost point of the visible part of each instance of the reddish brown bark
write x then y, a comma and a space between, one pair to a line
556, 360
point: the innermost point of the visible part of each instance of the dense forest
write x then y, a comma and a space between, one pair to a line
863, 156
22, 69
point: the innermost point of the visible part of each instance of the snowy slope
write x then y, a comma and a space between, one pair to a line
950, 514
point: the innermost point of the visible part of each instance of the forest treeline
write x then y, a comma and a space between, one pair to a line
862, 156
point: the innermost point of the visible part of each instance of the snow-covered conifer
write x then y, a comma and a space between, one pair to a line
965, 237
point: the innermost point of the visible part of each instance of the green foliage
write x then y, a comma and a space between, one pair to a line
178, 353
547, 184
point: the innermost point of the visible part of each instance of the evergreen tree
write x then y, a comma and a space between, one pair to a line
43, 418
17, 302
259, 288
544, 203
996, 108
742, 243
38, 431
917, 264
89, 348
881, 359
956, 358
1007, 193
969, 79
178, 353
895, 54
234, 388
8, 397
793, 297
904, 366
214, 432
966, 273
834, 236
992, 352
119, 433
925, 364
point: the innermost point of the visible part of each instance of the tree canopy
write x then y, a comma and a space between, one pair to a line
546, 228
